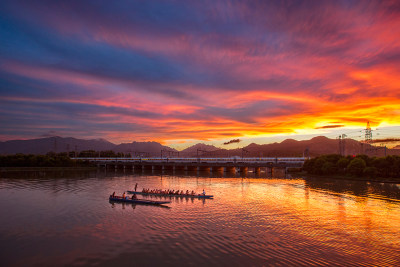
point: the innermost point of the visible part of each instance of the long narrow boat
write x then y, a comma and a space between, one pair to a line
137, 201
169, 195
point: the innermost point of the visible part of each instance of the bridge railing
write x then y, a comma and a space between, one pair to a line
198, 160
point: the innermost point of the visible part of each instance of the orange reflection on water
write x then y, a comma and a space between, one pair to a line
352, 223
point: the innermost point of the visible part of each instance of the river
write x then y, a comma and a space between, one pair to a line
64, 218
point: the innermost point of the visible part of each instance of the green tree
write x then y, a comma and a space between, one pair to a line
309, 165
328, 168
317, 168
342, 164
356, 167
381, 165
370, 172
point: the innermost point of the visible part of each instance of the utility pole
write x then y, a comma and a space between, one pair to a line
368, 134
342, 144
306, 153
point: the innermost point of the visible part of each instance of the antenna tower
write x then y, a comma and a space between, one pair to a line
368, 134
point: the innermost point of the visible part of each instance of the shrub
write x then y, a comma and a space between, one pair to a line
328, 168
370, 172
356, 167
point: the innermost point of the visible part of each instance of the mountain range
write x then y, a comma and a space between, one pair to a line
314, 147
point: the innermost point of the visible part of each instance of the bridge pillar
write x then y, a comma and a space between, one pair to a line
198, 168
229, 169
217, 169
153, 168
163, 168
257, 169
186, 168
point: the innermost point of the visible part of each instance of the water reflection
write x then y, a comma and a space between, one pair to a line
65, 218
385, 191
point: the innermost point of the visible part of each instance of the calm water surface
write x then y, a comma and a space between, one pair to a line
65, 218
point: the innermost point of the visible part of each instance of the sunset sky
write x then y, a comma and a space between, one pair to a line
183, 72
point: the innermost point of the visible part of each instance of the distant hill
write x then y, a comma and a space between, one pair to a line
55, 144
202, 148
288, 148
144, 149
316, 146
60, 144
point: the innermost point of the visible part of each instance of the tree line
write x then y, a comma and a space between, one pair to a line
360, 166
51, 159
101, 154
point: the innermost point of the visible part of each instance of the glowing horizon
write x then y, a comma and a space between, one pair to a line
180, 73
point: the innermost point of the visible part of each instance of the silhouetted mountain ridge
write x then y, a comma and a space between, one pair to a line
316, 146
55, 144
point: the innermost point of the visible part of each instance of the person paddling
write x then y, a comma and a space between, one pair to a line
135, 187
204, 192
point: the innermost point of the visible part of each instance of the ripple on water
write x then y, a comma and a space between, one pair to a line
250, 222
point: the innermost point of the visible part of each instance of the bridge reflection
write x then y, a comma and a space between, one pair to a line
235, 164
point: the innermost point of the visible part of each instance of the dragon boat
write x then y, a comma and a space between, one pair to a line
170, 195
137, 201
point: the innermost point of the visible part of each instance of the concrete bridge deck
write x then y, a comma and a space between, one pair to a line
192, 164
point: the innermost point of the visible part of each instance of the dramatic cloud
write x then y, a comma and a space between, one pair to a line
172, 71
386, 140
232, 141
329, 126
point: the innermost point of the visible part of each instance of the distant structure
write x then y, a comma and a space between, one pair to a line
306, 153
169, 153
368, 134
342, 144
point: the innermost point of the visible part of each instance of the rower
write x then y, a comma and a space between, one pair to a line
134, 197
113, 194
123, 195
135, 186
204, 192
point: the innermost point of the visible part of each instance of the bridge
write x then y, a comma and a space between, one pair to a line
235, 164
